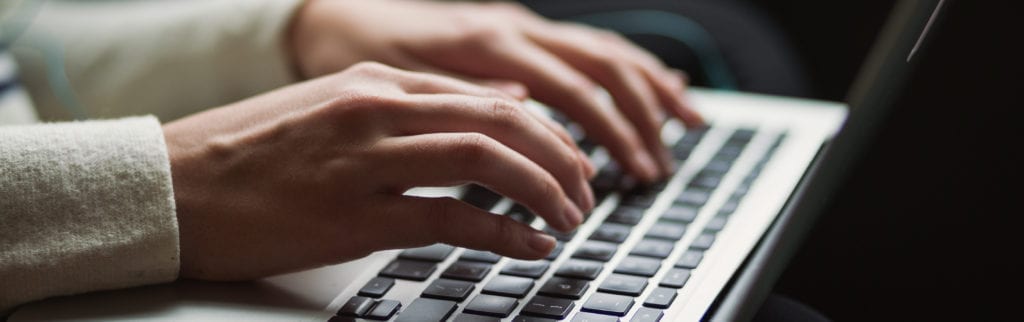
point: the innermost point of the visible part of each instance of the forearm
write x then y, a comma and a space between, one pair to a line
172, 57
84, 206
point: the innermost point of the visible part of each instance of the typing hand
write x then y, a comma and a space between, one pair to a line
314, 173
561, 64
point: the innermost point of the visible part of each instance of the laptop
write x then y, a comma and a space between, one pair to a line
706, 244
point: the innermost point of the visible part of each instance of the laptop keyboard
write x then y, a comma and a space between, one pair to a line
573, 282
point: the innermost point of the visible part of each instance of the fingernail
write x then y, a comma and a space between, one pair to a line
541, 242
647, 165
572, 216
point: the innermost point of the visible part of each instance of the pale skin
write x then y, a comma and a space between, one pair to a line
314, 174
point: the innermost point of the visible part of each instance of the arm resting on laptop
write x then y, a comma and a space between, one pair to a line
84, 206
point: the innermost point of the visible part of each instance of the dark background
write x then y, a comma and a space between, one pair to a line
928, 226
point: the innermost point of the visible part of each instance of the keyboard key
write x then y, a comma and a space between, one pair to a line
653, 248
640, 266
383, 310
666, 230
596, 250
426, 310
583, 269
377, 287
548, 307
559, 246
526, 318
626, 215
706, 180
611, 304
743, 134
447, 289
716, 223
703, 241
510, 286
559, 235
466, 317
432, 253
593, 317
611, 232
640, 199
531, 269
492, 305
570, 288
521, 214
480, 256
623, 285
729, 207
680, 213
480, 197
467, 271
356, 306
675, 278
719, 167
338, 318
646, 314
690, 259
693, 197
409, 270
660, 298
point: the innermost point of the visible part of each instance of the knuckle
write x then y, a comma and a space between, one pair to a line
370, 68
507, 114
473, 149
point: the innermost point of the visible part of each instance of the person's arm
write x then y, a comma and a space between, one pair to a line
84, 206
166, 58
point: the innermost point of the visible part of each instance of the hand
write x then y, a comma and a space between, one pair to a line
561, 64
314, 174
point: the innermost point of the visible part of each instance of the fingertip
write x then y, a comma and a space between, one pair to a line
648, 171
541, 243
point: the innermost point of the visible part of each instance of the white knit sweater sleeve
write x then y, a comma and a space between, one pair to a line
84, 206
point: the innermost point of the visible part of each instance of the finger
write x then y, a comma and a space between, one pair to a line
671, 91
415, 221
445, 159
510, 88
559, 85
565, 137
506, 121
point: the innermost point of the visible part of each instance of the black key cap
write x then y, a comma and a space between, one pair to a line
467, 271
729, 207
640, 266
717, 166
426, 310
480, 256
690, 259
560, 235
743, 134
548, 307
611, 232
680, 213
593, 317
356, 306
432, 253
596, 250
480, 197
640, 199
611, 304
338, 318
583, 269
521, 214
626, 215
666, 230
706, 180
510, 286
660, 298
466, 317
409, 270
377, 287
716, 223
623, 285
703, 241
492, 305
531, 269
526, 318
564, 287
653, 248
675, 278
383, 310
559, 246
646, 314
447, 289
693, 197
